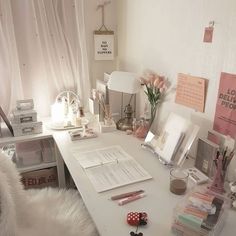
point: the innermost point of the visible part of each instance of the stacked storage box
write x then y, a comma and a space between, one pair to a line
40, 178
201, 213
24, 119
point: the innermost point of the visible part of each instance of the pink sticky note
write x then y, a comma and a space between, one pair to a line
208, 35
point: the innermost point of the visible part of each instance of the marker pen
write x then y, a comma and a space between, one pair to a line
131, 199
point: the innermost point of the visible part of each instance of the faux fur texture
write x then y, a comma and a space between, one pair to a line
47, 212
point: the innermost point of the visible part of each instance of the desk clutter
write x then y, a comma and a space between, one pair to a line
83, 133
125, 198
137, 219
24, 119
202, 213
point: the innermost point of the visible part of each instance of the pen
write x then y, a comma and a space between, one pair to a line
125, 195
130, 199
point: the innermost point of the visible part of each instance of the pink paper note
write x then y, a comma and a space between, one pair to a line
208, 35
190, 91
225, 115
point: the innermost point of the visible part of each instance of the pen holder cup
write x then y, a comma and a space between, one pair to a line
217, 184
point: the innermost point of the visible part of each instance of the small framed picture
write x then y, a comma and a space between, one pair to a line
5, 119
104, 45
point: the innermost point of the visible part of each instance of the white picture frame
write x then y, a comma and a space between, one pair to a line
103, 46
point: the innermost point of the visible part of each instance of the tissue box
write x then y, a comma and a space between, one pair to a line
27, 128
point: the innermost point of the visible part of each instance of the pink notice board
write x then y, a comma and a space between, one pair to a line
225, 114
191, 91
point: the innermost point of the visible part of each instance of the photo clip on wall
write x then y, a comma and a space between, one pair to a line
103, 40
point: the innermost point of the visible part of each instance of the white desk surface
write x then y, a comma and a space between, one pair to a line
110, 218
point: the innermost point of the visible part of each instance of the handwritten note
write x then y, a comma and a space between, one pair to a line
191, 92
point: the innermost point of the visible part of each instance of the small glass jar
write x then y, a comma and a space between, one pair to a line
142, 130
178, 181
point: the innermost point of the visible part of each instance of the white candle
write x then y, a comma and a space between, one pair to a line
57, 113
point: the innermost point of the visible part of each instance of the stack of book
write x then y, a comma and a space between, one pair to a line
201, 213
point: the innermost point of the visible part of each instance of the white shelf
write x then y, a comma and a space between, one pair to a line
36, 167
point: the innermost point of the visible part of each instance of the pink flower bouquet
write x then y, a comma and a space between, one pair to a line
155, 86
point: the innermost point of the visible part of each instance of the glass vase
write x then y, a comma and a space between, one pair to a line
153, 113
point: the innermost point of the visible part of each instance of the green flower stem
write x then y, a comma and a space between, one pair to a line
153, 113
154, 97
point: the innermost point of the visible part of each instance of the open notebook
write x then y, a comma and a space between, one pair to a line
110, 167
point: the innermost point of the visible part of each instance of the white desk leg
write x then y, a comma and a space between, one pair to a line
60, 168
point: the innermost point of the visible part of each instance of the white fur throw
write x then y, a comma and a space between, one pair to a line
45, 212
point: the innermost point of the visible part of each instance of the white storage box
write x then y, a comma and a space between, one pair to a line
28, 153
26, 104
48, 153
27, 128
23, 116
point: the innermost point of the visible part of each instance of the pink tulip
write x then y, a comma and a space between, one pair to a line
156, 82
161, 84
162, 90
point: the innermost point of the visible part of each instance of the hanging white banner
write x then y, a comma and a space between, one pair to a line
104, 46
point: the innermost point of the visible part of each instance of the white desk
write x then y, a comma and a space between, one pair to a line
110, 218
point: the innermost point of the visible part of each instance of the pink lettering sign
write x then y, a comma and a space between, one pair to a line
225, 114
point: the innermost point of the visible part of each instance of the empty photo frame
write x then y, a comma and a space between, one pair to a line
5, 119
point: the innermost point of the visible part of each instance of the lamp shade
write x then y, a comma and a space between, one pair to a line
125, 82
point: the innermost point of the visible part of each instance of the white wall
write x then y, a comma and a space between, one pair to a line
93, 21
167, 37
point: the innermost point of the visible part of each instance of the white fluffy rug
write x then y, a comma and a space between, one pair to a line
46, 212
56, 212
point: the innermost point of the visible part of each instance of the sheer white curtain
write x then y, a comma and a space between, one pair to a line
51, 47
10, 79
